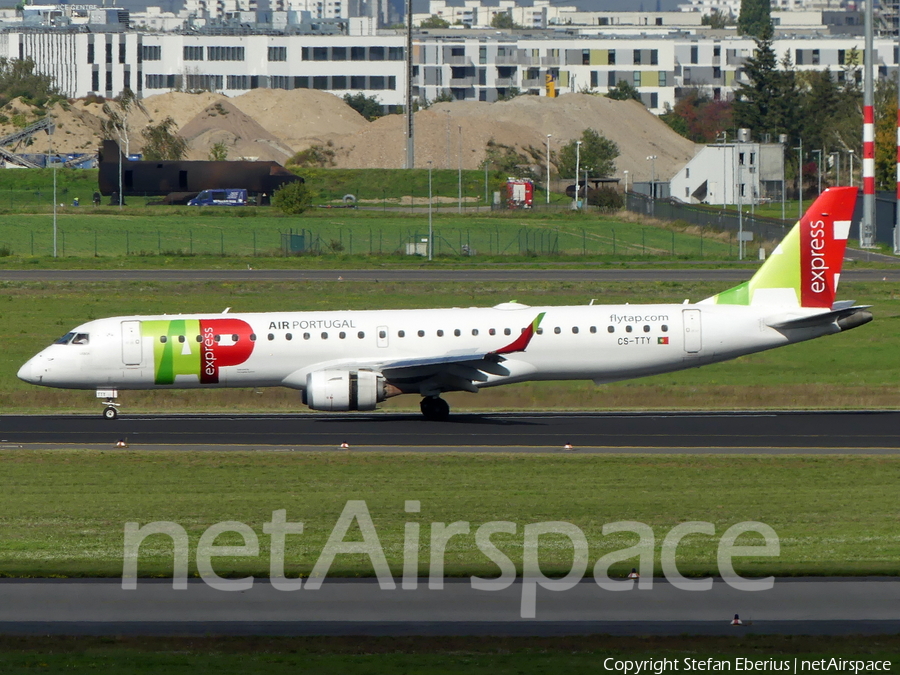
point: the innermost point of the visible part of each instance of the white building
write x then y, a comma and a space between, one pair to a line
731, 173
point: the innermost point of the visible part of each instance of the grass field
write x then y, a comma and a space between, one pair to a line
358, 655
180, 232
62, 512
859, 369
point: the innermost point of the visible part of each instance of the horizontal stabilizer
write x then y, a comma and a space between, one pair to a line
846, 318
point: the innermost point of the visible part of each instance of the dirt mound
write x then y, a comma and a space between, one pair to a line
273, 124
300, 117
243, 137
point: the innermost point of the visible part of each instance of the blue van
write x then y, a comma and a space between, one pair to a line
225, 197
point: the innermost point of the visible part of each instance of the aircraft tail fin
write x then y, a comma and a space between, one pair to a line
804, 269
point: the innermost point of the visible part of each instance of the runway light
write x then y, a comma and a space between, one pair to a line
736, 621
634, 574
567, 446
345, 446
122, 443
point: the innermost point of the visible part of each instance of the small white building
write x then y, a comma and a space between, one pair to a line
732, 173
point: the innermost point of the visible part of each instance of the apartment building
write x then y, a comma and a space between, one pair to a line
469, 65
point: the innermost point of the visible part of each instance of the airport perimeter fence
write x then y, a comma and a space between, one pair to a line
763, 229
506, 239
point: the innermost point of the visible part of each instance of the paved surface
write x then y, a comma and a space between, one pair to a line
775, 432
723, 275
355, 607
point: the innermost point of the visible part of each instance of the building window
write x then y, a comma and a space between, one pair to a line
301, 82
277, 53
320, 54
357, 53
109, 52
799, 58
320, 82
238, 82
358, 82
612, 57
376, 53
204, 82
150, 52
637, 78
662, 78
687, 173
637, 57
695, 54
109, 85
376, 82
127, 78
90, 55
280, 82
654, 57
339, 82
654, 100
95, 81
815, 57
121, 52
224, 53
396, 53
595, 79
193, 53
717, 72
338, 53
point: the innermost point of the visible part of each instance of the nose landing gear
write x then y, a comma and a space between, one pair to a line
111, 411
435, 409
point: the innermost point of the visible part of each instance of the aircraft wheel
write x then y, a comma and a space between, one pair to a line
435, 409
110, 413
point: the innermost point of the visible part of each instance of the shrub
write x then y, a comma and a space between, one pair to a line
293, 198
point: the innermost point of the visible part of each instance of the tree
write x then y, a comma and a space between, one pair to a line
598, 154
504, 21
161, 141
756, 103
507, 161
698, 117
434, 21
218, 152
717, 19
115, 126
19, 79
292, 198
755, 19
367, 106
623, 91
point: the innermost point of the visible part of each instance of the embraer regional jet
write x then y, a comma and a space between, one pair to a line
353, 360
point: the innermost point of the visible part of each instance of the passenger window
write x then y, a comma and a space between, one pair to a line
611, 329
271, 336
288, 336
628, 329
342, 335
324, 336
593, 329
457, 332
492, 332
162, 338
401, 333
474, 331
557, 330
575, 330
421, 333
252, 337
382, 334
235, 338
507, 331
199, 338
440, 333
539, 331
181, 338
306, 336
646, 329
665, 328
217, 338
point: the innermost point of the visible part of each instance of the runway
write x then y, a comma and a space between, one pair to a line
771, 432
839, 606
498, 274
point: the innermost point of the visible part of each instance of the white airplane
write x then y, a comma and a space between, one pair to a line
353, 360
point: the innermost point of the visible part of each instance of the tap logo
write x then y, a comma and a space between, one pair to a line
187, 350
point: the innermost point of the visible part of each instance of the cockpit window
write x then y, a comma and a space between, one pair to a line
73, 339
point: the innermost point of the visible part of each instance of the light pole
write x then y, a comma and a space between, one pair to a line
724, 169
626, 180
799, 150
50, 131
548, 169
851, 167
819, 169
836, 158
459, 173
577, 171
430, 227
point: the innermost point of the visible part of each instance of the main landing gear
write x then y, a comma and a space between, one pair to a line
435, 409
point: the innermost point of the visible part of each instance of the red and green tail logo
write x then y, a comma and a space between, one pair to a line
197, 349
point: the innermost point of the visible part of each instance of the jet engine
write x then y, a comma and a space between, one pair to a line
344, 390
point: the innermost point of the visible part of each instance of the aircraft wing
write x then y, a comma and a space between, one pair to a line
455, 372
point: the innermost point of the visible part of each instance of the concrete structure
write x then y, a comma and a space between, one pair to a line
731, 173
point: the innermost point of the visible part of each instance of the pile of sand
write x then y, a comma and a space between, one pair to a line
273, 124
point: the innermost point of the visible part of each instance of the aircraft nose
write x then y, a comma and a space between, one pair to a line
26, 372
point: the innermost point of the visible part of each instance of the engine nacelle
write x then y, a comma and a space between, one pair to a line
344, 390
